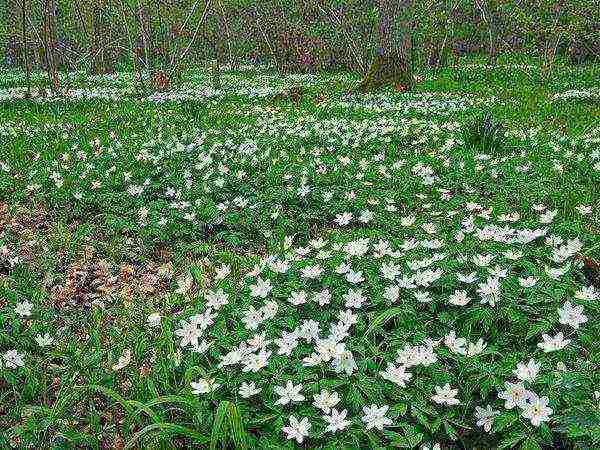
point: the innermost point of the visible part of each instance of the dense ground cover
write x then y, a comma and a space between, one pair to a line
208, 266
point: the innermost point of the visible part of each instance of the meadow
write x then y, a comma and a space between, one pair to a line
234, 268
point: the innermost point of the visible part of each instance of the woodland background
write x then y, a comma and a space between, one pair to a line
166, 36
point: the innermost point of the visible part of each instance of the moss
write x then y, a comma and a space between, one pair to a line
386, 71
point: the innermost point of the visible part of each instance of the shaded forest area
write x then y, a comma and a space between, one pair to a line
160, 37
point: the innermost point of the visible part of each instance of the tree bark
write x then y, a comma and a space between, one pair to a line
49, 44
25, 46
392, 65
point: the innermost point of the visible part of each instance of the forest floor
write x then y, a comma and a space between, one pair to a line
242, 266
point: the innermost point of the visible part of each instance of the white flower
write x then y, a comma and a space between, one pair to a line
269, 309
374, 417
204, 386
468, 278
344, 362
313, 360
247, 390
261, 288
353, 277
202, 347
287, 343
354, 298
189, 333
456, 345
357, 247
390, 271
280, 266
584, 209
571, 315
556, 273
204, 320
459, 298
435, 446
476, 348
13, 359
548, 216
297, 429
527, 282
216, 299
309, 330
396, 374
392, 293
423, 296
322, 297
153, 320
536, 410
485, 417
343, 218
222, 272
366, 216
489, 291
303, 190
184, 284
445, 395
587, 293
297, 298
23, 309
336, 421
45, 340
527, 372
311, 272
407, 221
343, 268
411, 356
288, 393
326, 400
253, 362
552, 344
123, 361
514, 395
252, 318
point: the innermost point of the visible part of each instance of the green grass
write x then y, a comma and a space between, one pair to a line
96, 261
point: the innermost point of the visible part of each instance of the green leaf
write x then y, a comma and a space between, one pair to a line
383, 318
530, 444
219, 420
196, 273
503, 421
411, 438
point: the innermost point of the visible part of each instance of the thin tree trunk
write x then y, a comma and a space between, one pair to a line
176, 63
225, 23
161, 36
25, 46
278, 66
449, 31
349, 41
550, 52
49, 45
88, 35
185, 22
96, 62
142, 27
53, 44
133, 55
491, 35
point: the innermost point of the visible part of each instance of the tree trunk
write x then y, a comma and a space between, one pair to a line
49, 44
85, 35
392, 65
25, 46
96, 42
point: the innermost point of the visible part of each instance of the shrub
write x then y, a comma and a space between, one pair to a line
485, 134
